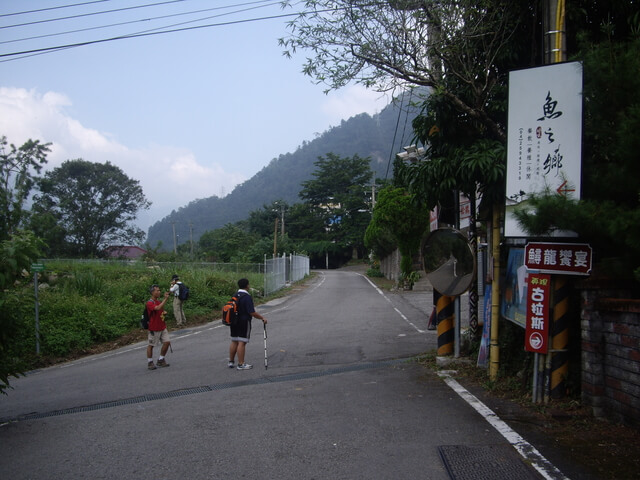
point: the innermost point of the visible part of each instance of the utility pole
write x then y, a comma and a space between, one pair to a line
282, 219
191, 237
175, 243
275, 239
555, 48
555, 364
373, 191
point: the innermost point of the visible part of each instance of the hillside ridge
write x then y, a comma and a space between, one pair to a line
377, 137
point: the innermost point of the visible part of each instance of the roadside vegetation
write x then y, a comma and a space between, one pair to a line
85, 304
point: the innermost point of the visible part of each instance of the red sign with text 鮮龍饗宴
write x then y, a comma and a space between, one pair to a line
559, 258
537, 327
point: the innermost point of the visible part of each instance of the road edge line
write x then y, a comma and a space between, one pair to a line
543, 466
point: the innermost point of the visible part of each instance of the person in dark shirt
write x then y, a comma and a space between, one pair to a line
241, 331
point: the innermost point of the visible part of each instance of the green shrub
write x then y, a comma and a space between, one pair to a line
87, 303
87, 283
374, 272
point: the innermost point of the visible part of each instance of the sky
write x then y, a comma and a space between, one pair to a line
189, 114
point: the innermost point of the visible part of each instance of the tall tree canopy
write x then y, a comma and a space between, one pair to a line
93, 204
222, 244
339, 194
18, 169
16, 254
451, 46
463, 50
397, 216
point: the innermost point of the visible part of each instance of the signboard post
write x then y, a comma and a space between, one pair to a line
35, 268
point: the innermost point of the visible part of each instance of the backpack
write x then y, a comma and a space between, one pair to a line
144, 320
230, 311
183, 292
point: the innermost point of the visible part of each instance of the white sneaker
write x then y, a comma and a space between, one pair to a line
244, 366
231, 365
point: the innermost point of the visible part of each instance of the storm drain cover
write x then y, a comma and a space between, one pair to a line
485, 462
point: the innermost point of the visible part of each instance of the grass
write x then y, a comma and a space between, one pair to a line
85, 305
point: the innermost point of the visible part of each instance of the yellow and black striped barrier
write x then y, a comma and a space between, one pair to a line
445, 312
560, 337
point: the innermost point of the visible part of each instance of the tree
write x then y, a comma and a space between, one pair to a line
222, 244
262, 222
451, 47
339, 194
93, 203
16, 254
305, 222
17, 176
398, 216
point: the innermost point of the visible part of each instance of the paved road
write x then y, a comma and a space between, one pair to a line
338, 401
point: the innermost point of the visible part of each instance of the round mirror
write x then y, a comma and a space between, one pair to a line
448, 261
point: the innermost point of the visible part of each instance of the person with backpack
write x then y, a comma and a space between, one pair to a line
178, 312
158, 333
241, 330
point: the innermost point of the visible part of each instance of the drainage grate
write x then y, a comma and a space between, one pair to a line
202, 389
485, 462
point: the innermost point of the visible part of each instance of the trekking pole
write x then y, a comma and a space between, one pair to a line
265, 345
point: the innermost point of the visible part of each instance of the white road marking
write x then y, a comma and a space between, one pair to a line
388, 300
524, 448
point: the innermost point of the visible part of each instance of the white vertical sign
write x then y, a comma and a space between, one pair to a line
544, 136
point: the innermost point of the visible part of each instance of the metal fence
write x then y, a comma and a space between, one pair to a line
280, 271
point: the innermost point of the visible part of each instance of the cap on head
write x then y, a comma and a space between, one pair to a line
174, 277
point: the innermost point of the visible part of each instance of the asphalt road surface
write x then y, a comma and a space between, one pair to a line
340, 400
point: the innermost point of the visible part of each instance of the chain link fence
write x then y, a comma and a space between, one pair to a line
280, 271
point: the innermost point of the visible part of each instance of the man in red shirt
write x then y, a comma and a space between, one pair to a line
158, 332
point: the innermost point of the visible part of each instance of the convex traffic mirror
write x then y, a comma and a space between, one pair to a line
448, 261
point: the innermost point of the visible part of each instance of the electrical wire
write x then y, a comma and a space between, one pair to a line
161, 17
80, 15
51, 8
395, 133
406, 118
147, 34
40, 51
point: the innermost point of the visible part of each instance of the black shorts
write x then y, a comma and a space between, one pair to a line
241, 331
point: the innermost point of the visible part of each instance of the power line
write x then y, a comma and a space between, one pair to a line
138, 35
51, 8
395, 133
41, 51
152, 19
80, 15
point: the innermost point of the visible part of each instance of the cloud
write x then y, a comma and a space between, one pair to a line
170, 176
353, 100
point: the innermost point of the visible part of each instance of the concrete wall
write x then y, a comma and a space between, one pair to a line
390, 265
610, 352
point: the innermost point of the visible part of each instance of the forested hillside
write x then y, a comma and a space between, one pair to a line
365, 135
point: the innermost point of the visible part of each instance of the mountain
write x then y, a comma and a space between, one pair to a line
379, 137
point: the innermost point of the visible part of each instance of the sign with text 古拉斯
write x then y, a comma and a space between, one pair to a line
537, 327
558, 258
544, 136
